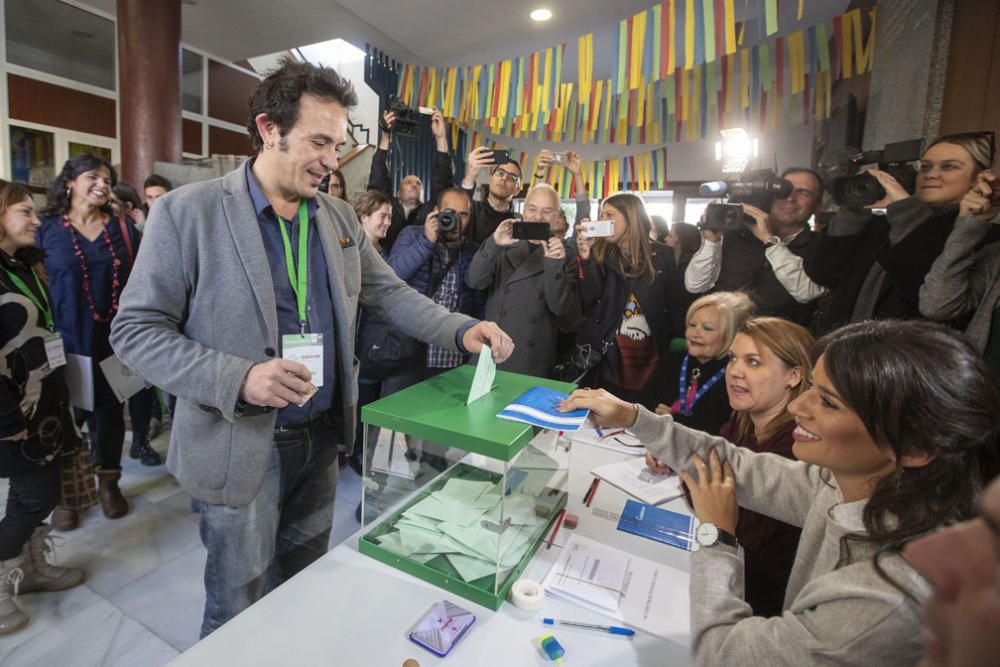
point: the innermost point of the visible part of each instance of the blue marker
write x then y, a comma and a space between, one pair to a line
611, 629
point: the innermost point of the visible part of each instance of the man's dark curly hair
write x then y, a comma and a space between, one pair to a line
278, 95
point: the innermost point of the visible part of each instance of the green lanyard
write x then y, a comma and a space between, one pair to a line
46, 308
299, 278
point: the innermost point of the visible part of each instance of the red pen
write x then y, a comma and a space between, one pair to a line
593, 491
552, 537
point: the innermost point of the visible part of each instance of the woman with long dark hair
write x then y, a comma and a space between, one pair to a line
89, 255
896, 437
36, 423
632, 298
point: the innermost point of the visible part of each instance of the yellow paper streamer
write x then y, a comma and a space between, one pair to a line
672, 26
730, 26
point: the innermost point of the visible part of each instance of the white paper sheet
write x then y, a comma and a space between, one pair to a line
655, 597
486, 372
635, 478
124, 382
80, 378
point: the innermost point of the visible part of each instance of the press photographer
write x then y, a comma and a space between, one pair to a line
874, 265
504, 184
757, 252
531, 283
407, 207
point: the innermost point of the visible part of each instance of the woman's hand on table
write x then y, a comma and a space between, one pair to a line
713, 493
605, 408
656, 466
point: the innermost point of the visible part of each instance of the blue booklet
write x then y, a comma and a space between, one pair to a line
538, 407
658, 524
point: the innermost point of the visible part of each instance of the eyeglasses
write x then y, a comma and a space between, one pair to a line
506, 175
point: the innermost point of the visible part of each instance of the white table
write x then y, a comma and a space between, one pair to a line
347, 609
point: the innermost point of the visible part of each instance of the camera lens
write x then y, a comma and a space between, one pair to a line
447, 220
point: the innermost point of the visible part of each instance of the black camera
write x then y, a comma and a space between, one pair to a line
449, 220
860, 190
406, 121
756, 188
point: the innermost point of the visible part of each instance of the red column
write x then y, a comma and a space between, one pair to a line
149, 85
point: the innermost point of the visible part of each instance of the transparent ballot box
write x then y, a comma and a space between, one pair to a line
453, 495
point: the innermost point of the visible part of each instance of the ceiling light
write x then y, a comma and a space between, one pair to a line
541, 14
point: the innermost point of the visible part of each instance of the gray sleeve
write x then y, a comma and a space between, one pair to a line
582, 206
483, 266
957, 280
845, 617
788, 269
391, 300
766, 483
146, 333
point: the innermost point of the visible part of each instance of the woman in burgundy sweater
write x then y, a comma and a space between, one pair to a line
768, 367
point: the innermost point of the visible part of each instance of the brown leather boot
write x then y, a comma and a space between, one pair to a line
64, 518
39, 569
112, 501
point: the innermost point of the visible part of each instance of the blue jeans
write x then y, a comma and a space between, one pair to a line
255, 548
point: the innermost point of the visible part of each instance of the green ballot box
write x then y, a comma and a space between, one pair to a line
451, 493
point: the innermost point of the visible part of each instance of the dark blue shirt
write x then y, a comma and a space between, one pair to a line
74, 319
319, 303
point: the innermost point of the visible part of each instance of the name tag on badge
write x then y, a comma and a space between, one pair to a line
306, 349
54, 350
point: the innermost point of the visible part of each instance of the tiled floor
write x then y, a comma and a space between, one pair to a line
142, 601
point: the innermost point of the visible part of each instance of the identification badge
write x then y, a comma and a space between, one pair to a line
307, 349
54, 350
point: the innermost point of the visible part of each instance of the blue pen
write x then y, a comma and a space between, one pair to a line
600, 433
612, 629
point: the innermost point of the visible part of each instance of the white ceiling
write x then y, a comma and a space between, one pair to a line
436, 32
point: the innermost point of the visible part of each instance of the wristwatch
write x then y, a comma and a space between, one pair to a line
708, 534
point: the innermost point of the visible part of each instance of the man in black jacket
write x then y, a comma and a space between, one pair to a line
765, 259
407, 207
504, 184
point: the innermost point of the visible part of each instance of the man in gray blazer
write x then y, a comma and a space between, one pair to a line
242, 303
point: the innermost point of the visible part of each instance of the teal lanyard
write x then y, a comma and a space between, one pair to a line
298, 277
46, 309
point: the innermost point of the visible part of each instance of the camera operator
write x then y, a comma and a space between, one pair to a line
498, 205
765, 259
434, 262
531, 284
407, 208
965, 282
875, 265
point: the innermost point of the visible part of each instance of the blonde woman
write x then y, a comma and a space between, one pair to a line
692, 383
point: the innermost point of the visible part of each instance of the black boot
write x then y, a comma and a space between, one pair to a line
141, 450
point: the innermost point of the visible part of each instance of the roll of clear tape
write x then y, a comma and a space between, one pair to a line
527, 595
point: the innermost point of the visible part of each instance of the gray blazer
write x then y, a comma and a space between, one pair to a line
963, 280
199, 311
527, 294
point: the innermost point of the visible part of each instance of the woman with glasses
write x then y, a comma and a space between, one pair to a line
874, 265
964, 281
632, 298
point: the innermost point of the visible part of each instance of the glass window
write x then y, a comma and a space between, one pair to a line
76, 148
694, 209
193, 66
32, 156
52, 37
